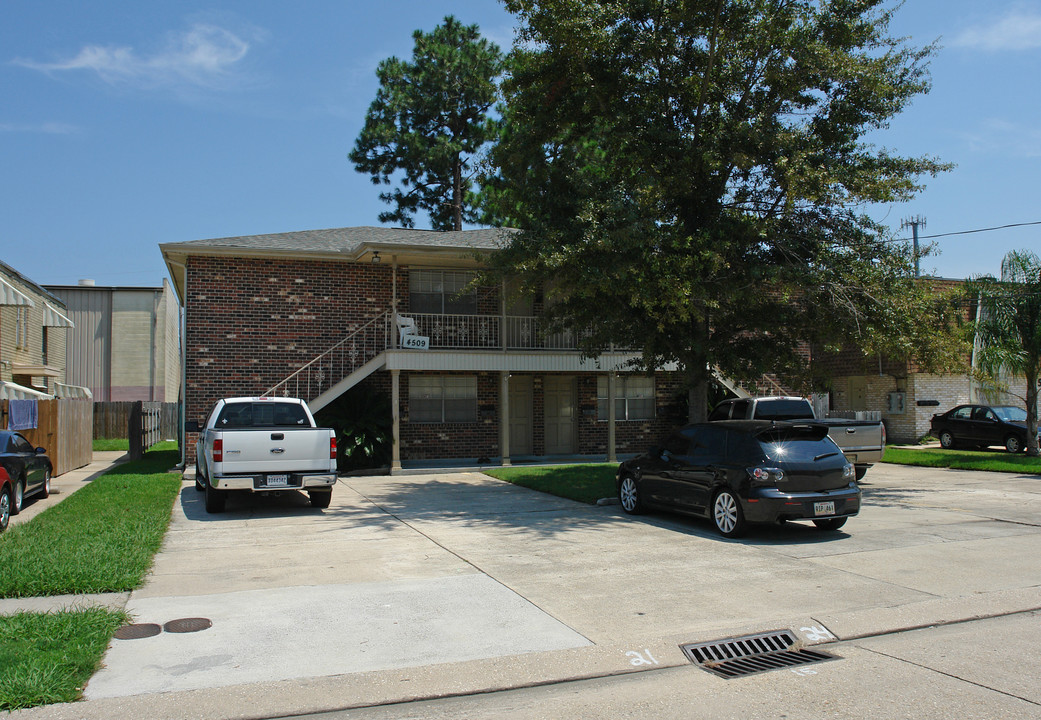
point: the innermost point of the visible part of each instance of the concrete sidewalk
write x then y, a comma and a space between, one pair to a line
430, 586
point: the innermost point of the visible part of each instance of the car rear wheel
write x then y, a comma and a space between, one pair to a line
629, 496
830, 524
320, 499
727, 515
946, 440
1013, 444
18, 498
215, 499
5, 508
45, 491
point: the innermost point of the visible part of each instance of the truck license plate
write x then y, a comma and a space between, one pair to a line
824, 508
277, 480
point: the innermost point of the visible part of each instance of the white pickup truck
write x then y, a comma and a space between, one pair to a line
258, 444
862, 441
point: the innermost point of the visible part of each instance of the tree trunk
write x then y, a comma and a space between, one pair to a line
698, 371
457, 194
697, 401
1032, 447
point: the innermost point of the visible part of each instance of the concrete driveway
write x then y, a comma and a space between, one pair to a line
426, 586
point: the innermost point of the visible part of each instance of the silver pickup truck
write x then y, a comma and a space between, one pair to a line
861, 441
257, 444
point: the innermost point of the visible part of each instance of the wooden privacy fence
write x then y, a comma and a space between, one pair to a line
111, 419
144, 427
64, 429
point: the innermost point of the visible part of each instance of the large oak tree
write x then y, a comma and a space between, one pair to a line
690, 178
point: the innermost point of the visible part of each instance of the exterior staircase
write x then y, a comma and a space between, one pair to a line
339, 368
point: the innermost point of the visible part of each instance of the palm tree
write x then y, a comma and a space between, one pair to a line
1008, 328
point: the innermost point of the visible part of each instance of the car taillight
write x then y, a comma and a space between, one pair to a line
218, 450
766, 475
332, 448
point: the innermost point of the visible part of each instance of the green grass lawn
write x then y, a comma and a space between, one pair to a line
586, 483
996, 461
108, 444
48, 657
100, 539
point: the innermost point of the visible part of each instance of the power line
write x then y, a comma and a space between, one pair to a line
970, 232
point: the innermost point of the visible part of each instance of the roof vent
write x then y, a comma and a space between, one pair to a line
86, 282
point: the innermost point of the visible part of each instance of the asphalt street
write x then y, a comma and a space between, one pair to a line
456, 595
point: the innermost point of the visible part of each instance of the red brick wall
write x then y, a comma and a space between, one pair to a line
481, 439
250, 322
478, 439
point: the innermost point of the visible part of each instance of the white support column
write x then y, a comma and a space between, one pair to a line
394, 302
611, 382
504, 416
395, 404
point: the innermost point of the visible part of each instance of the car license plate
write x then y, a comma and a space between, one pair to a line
277, 480
824, 508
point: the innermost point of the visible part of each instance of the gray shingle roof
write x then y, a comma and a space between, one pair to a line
348, 240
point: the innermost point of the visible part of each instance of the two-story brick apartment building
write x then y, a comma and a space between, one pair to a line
471, 375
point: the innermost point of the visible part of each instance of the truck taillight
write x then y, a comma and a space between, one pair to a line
332, 448
218, 450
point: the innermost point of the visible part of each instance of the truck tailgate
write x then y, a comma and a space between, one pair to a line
860, 443
276, 450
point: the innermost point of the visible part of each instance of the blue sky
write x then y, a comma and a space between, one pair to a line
128, 124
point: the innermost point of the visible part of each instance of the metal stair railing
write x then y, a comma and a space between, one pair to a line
336, 363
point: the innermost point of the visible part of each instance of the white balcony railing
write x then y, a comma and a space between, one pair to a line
489, 332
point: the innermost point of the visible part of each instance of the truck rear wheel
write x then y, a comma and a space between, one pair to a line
215, 499
320, 499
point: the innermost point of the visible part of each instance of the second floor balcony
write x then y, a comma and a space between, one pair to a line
489, 332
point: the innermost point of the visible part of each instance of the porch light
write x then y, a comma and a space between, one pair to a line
376, 256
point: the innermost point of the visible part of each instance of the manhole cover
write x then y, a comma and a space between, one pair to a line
737, 657
138, 631
187, 625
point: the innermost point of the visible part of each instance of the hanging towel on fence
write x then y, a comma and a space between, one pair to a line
22, 414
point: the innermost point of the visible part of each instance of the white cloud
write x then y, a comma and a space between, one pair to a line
1001, 137
1018, 29
204, 56
48, 128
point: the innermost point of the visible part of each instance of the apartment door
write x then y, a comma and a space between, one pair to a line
520, 415
560, 401
858, 393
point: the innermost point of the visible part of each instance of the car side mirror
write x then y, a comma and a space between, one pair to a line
191, 426
41, 451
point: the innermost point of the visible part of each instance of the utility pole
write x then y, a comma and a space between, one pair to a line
913, 223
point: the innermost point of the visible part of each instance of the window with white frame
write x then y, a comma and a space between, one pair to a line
442, 399
634, 397
441, 292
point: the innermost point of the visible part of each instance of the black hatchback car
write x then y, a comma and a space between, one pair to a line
737, 472
982, 426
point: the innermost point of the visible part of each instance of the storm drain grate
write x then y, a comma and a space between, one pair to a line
737, 657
